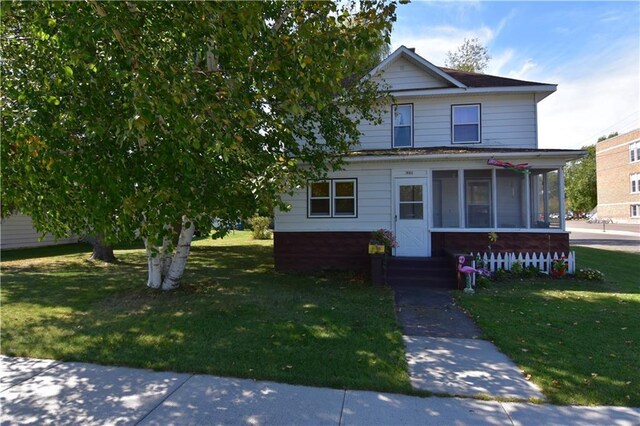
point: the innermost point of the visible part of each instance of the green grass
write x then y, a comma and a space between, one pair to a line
579, 340
233, 316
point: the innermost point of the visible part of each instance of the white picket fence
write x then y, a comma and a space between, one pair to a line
543, 262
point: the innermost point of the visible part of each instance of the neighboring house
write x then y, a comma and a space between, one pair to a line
423, 174
618, 177
17, 231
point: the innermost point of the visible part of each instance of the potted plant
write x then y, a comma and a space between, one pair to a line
559, 267
382, 241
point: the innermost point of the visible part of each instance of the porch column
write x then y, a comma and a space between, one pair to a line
527, 200
561, 196
461, 211
545, 200
494, 199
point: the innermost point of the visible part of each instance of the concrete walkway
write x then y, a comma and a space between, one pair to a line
445, 355
49, 392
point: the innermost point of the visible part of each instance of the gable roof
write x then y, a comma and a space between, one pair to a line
472, 79
417, 60
460, 81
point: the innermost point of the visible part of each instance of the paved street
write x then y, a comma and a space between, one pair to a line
610, 236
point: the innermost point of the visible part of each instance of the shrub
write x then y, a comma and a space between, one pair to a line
483, 282
500, 275
531, 271
260, 227
516, 268
590, 275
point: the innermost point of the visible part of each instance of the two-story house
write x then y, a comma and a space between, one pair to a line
437, 172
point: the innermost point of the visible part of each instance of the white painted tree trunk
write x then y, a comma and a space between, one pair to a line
172, 279
153, 280
165, 271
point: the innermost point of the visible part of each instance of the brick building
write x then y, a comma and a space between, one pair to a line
618, 174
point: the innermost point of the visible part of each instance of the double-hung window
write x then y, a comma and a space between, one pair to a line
402, 118
635, 210
634, 152
465, 123
635, 183
333, 198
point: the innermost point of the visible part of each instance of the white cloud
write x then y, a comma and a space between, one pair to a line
591, 102
525, 70
434, 43
500, 61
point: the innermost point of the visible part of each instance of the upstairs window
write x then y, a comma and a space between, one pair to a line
634, 152
465, 123
402, 126
332, 198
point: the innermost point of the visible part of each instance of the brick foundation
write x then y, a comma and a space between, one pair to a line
316, 251
525, 242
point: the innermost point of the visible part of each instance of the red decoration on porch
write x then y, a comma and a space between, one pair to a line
520, 168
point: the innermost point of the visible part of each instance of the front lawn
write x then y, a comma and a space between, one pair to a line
579, 340
234, 316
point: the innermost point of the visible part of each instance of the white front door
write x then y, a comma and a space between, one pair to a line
411, 217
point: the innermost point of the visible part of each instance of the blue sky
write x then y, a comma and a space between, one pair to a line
590, 49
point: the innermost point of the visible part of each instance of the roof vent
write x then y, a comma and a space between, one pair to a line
413, 49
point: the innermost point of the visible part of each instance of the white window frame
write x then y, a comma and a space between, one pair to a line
635, 210
393, 126
335, 197
634, 181
454, 124
634, 152
310, 198
332, 199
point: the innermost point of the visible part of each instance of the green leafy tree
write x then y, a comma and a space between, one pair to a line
471, 56
580, 182
604, 138
155, 118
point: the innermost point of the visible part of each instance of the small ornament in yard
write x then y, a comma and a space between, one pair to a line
467, 271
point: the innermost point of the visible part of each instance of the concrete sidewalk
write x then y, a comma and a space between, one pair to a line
45, 392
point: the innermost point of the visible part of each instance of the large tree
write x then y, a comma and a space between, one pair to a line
471, 56
157, 118
580, 182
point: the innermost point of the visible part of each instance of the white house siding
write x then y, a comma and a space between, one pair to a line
506, 121
403, 75
17, 231
374, 204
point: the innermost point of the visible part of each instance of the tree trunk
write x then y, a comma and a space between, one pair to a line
179, 262
165, 271
100, 251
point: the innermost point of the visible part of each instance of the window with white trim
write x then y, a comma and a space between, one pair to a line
402, 118
465, 123
635, 210
635, 183
332, 198
634, 152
